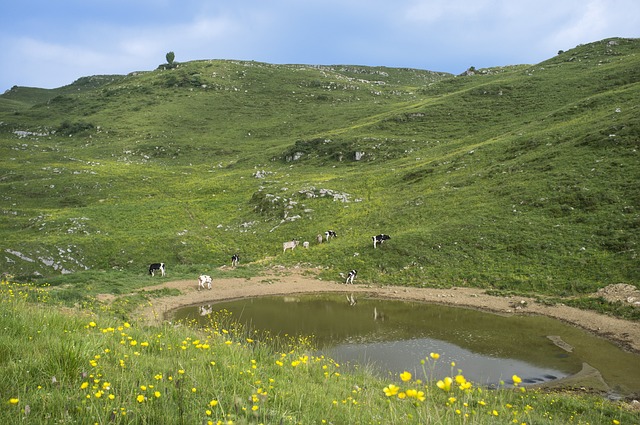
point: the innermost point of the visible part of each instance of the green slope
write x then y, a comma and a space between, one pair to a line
521, 178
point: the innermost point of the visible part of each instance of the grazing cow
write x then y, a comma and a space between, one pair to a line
289, 245
204, 279
378, 239
305, 244
319, 238
153, 268
235, 259
330, 234
351, 275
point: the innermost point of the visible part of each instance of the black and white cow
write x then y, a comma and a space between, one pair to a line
203, 280
330, 234
351, 275
378, 239
235, 259
153, 268
205, 310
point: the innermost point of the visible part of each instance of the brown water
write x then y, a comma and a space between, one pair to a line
394, 336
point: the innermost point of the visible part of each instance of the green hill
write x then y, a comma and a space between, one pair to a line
521, 178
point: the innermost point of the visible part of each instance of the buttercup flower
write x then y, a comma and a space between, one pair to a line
391, 390
445, 385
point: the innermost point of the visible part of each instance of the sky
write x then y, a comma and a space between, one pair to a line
52, 43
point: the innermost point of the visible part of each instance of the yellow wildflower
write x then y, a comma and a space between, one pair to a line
391, 390
445, 385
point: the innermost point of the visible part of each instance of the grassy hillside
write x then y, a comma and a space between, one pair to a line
521, 178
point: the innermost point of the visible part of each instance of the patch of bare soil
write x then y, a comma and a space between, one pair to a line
296, 281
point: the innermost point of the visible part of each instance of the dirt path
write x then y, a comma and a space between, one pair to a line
285, 282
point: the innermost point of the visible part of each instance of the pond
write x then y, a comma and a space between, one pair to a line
394, 336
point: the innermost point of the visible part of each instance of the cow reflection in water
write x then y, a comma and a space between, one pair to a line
206, 310
378, 315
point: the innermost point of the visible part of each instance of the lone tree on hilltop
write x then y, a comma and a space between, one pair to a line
170, 58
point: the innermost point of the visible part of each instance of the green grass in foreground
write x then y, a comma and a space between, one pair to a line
62, 365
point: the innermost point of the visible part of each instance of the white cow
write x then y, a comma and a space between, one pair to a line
289, 245
305, 244
203, 280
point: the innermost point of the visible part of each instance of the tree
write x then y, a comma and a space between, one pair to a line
170, 58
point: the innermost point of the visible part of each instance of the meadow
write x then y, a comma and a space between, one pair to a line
89, 367
517, 180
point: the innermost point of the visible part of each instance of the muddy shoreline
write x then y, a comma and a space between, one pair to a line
625, 334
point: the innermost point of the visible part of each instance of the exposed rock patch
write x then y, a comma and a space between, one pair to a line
625, 293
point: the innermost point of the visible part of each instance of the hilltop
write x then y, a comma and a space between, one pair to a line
519, 178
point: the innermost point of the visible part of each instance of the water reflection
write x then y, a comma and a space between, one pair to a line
394, 336
398, 356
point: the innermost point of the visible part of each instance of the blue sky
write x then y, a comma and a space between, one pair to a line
51, 43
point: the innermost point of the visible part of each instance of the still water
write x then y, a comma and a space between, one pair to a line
394, 336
